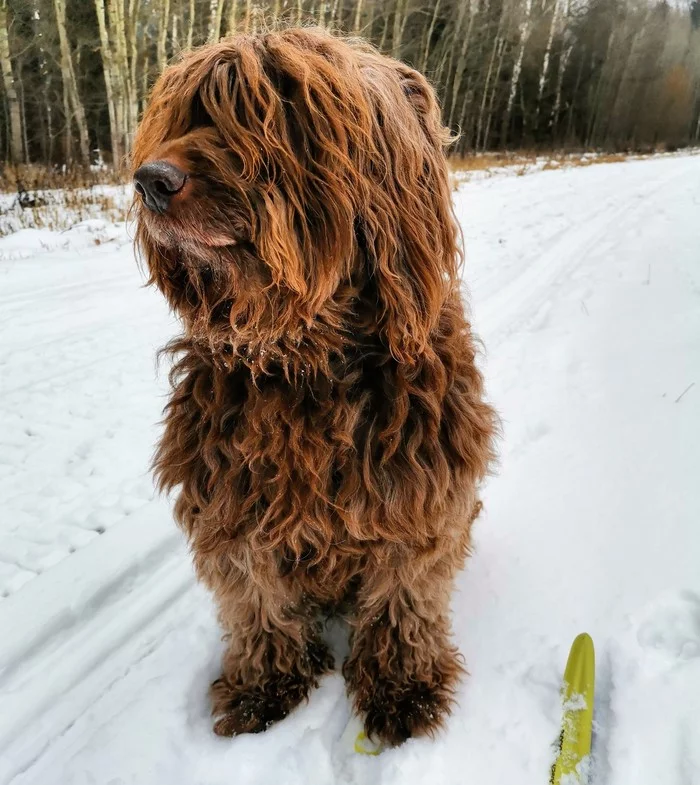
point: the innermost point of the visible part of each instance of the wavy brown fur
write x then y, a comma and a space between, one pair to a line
327, 430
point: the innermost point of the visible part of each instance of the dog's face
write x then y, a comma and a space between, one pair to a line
279, 176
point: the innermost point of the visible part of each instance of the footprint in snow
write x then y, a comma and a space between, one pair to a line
648, 697
670, 628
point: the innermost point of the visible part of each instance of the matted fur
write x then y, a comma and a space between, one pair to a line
327, 430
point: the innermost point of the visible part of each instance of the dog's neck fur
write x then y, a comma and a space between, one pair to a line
323, 349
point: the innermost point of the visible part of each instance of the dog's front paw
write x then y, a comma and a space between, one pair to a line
239, 710
395, 712
253, 708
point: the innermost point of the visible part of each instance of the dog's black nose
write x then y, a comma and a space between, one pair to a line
158, 182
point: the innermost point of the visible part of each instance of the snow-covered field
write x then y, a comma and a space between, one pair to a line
585, 287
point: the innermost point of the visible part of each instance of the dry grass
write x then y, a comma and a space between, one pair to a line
480, 162
35, 197
587, 160
527, 161
31, 177
43, 198
522, 163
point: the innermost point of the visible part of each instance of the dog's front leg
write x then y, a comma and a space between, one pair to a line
275, 653
403, 669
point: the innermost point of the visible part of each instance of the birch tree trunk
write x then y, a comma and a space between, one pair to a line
429, 36
336, 11
400, 14
144, 79
117, 23
566, 49
546, 58
232, 23
115, 131
385, 30
8, 81
487, 84
174, 33
23, 120
190, 24
247, 26
358, 16
67, 140
162, 56
134, 54
216, 10
525, 28
492, 101
449, 79
73, 106
368, 27
462, 61
563, 61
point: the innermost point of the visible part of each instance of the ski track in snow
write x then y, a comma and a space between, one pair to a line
585, 287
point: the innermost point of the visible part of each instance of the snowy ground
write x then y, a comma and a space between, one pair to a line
586, 290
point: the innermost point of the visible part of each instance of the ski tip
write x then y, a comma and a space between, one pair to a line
354, 738
583, 641
365, 746
578, 695
579, 676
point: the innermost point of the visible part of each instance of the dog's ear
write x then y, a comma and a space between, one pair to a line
408, 232
278, 243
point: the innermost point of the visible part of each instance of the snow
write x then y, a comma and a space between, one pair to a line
585, 287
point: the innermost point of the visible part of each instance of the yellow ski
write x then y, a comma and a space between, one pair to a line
577, 726
366, 746
354, 737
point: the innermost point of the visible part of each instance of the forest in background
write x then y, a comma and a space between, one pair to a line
613, 75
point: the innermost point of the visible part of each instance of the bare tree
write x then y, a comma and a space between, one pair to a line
8, 81
163, 17
428, 34
116, 130
584, 73
216, 11
73, 106
190, 23
525, 28
233, 16
547, 54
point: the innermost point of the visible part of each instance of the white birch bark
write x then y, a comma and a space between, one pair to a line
190, 24
487, 85
115, 131
547, 54
8, 81
563, 62
429, 36
525, 28
216, 11
358, 15
164, 15
232, 24
462, 60
73, 106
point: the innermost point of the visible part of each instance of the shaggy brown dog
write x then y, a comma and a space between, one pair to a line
327, 431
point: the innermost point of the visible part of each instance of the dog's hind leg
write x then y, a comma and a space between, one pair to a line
275, 657
403, 670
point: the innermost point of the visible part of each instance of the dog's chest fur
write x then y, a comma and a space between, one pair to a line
292, 466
